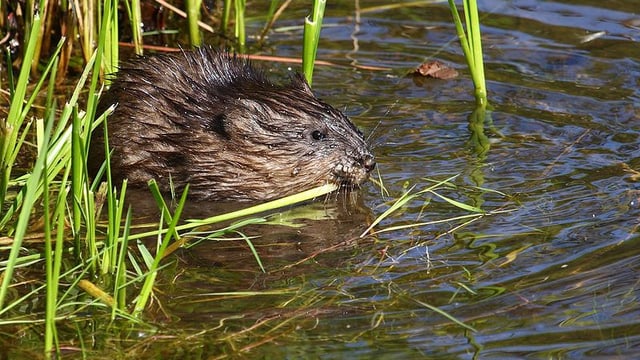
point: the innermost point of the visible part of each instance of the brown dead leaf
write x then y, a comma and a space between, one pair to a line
435, 69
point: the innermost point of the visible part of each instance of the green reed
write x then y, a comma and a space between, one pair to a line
12, 141
11, 138
226, 14
133, 9
312, 28
471, 43
193, 16
239, 30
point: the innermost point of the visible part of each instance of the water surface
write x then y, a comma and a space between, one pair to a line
550, 272
556, 276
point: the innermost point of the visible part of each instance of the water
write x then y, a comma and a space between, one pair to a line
552, 272
554, 276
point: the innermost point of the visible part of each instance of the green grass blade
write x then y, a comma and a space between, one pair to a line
271, 205
458, 204
30, 192
119, 287
253, 250
445, 314
471, 43
10, 128
147, 287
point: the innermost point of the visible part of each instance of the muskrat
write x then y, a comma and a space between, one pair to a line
211, 119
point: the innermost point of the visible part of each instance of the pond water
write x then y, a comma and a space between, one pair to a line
554, 275
550, 272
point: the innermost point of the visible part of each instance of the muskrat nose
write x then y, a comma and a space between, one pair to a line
368, 162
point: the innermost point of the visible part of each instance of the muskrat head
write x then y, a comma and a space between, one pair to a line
282, 140
210, 119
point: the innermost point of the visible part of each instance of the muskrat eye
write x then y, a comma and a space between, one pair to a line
318, 135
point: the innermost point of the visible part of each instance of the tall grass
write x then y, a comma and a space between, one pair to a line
12, 141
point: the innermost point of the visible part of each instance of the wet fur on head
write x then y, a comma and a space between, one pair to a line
211, 119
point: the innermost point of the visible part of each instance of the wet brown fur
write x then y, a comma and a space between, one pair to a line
212, 120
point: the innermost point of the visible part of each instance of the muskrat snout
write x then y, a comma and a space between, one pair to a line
355, 173
368, 162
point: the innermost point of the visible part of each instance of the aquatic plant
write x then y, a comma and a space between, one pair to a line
471, 43
312, 27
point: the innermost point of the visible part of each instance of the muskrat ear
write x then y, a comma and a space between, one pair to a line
217, 124
299, 82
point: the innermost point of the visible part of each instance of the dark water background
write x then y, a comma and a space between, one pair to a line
556, 277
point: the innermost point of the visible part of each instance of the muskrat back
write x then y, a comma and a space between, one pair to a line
210, 119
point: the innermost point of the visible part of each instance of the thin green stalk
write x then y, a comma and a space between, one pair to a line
87, 27
92, 96
240, 6
312, 28
147, 287
40, 11
473, 28
253, 250
111, 196
193, 16
445, 314
53, 260
162, 205
272, 15
11, 84
109, 34
400, 202
77, 170
471, 43
136, 28
50, 103
226, 12
120, 281
116, 209
271, 205
50, 310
